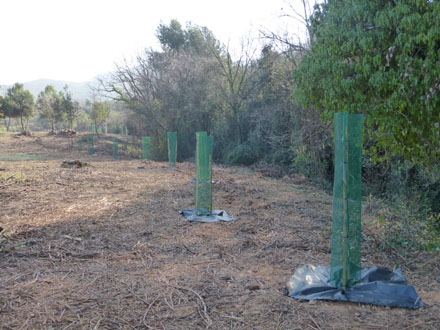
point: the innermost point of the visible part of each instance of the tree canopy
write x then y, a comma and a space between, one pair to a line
70, 108
100, 112
18, 103
193, 38
49, 106
380, 58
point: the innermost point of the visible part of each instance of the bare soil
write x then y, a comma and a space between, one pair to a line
102, 246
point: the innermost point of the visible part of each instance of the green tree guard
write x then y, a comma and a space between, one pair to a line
210, 151
99, 129
121, 130
80, 144
125, 131
172, 148
145, 147
198, 134
93, 129
90, 142
115, 148
203, 184
196, 163
347, 193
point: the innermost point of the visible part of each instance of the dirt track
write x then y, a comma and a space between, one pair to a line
103, 247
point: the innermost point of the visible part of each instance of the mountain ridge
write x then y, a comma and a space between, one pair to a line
80, 90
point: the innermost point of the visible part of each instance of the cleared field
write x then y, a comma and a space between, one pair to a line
104, 247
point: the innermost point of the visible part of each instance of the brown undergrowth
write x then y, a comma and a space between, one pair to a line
102, 246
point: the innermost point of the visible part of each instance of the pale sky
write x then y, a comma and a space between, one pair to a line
75, 40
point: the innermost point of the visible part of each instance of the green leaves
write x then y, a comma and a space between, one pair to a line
18, 103
173, 37
100, 112
69, 107
48, 106
380, 58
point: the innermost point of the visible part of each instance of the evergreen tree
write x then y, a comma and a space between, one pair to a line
48, 106
19, 103
380, 58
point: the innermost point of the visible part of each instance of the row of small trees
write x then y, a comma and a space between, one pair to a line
52, 106
379, 58
56, 108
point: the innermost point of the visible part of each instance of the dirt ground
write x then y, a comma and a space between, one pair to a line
104, 247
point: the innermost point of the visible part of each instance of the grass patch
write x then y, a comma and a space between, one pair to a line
23, 157
12, 175
404, 227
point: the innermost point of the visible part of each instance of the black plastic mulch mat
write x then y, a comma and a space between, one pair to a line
378, 286
217, 215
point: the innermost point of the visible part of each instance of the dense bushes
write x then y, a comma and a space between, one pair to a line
251, 106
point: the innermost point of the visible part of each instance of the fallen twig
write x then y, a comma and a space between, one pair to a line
205, 316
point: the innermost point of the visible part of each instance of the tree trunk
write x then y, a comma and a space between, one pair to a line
7, 123
22, 125
96, 129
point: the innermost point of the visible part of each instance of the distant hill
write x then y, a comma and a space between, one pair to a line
80, 91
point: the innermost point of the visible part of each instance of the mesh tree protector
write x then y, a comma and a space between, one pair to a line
93, 129
172, 148
345, 280
115, 148
145, 147
126, 130
80, 144
121, 130
196, 162
90, 143
347, 194
203, 184
99, 129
